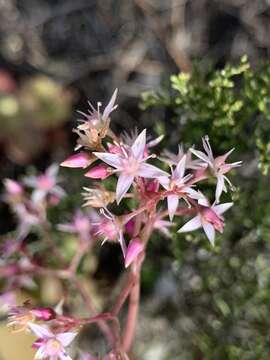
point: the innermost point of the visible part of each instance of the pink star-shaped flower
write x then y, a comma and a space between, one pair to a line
209, 218
217, 165
51, 346
175, 184
130, 163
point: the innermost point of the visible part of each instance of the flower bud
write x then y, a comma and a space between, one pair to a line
38, 343
152, 186
114, 149
135, 247
129, 227
98, 172
13, 187
79, 160
43, 314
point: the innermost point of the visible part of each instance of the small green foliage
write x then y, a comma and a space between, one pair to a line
230, 311
231, 105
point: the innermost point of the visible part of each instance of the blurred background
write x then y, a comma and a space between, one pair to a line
55, 55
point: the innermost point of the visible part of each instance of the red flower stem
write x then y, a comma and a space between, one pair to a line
75, 262
124, 294
130, 328
134, 296
88, 302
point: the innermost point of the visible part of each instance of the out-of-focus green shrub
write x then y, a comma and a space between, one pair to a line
231, 105
226, 296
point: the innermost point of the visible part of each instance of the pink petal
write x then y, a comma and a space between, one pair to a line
139, 144
135, 247
79, 160
172, 201
41, 332
209, 231
123, 184
110, 107
98, 172
191, 225
220, 209
66, 338
150, 171
38, 343
221, 159
111, 159
43, 314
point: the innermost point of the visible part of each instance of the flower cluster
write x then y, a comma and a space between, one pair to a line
130, 158
133, 192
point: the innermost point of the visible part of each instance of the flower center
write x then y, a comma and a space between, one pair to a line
45, 182
211, 217
130, 166
109, 229
53, 347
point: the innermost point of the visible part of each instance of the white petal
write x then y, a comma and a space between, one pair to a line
66, 338
38, 195
150, 171
110, 107
123, 184
180, 168
191, 225
52, 170
164, 181
209, 231
40, 331
220, 187
155, 142
197, 195
201, 156
172, 201
111, 159
138, 146
220, 209
122, 243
